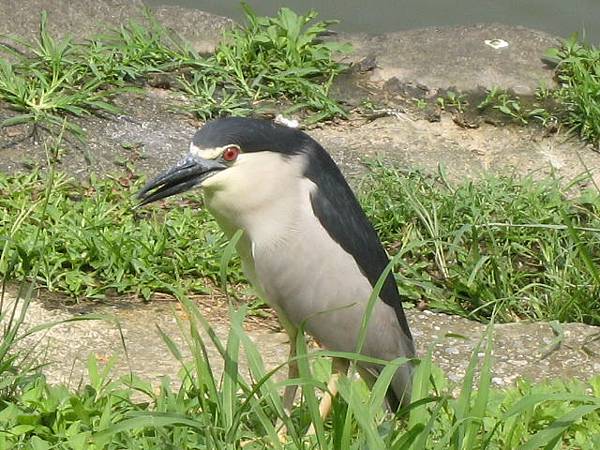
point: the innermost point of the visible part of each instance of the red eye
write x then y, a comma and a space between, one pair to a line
231, 153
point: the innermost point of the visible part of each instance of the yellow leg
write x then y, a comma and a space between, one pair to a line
289, 394
339, 367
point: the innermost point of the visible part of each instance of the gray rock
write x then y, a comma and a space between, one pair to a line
521, 350
458, 57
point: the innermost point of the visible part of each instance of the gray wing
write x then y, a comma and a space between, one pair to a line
339, 212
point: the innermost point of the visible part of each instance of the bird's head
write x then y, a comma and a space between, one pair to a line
233, 154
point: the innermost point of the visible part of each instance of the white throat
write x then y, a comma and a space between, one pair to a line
263, 193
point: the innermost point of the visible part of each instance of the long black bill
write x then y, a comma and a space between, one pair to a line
186, 174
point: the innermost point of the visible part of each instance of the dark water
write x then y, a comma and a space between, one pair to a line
558, 17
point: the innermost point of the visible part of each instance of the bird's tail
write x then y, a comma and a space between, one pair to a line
399, 390
398, 394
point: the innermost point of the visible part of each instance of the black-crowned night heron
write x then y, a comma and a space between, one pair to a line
307, 247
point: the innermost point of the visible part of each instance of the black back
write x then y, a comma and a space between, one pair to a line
334, 203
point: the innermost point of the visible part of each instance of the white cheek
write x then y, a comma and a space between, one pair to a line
253, 181
243, 159
238, 175
215, 182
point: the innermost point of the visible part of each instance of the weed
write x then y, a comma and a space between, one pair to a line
18, 365
517, 246
282, 58
134, 50
578, 74
576, 102
209, 410
453, 100
420, 103
96, 244
273, 59
512, 107
51, 83
209, 102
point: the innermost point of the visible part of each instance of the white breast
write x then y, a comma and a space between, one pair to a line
290, 259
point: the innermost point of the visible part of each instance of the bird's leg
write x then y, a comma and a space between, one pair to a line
339, 367
289, 394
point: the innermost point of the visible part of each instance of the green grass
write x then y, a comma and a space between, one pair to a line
282, 56
278, 60
512, 107
452, 100
225, 411
95, 243
574, 104
211, 410
47, 81
578, 74
516, 246
51, 80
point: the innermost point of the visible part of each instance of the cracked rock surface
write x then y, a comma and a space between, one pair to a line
528, 350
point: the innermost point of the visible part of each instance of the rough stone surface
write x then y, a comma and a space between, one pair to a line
161, 136
525, 350
464, 153
444, 57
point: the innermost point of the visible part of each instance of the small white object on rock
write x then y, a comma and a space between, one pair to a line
291, 123
496, 44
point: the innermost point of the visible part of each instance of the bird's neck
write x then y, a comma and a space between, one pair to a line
261, 223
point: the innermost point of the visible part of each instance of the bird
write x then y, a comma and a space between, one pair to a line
307, 247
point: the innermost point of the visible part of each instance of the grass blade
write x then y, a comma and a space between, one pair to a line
548, 435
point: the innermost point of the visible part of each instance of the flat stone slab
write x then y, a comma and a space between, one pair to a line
458, 57
521, 350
